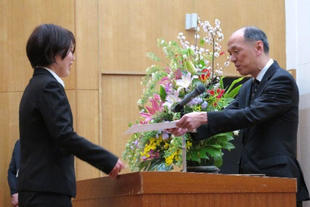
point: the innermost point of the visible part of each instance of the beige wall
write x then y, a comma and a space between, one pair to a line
112, 39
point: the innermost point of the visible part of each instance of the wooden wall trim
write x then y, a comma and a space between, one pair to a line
123, 74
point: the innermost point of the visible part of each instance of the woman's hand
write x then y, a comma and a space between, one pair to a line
117, 169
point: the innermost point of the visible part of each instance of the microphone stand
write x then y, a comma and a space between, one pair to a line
184, 164
179, 108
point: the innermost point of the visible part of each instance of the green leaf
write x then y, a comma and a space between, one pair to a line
190, 67
226, 101
203, 153
144, 165
202, 42
218, 161
202, 63
228, 146
232, 93
234, 83
190, 52
194, 156
196, 82
216, 146
213, 152
162, 93
152, 56
221, 83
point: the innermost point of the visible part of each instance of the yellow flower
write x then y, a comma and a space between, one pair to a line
198, 108
178, 155
166, 146
147, 148
145, 154
152, 147
158, 142
169, 159
188, 144
152, 140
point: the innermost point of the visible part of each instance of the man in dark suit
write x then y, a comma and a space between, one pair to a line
48, 140
13, 173
266, 111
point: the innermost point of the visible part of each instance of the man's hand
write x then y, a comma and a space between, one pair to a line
117, 168
14, 199
192, 121
177, 131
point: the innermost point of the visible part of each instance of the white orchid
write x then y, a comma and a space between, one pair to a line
184, 82
172, 99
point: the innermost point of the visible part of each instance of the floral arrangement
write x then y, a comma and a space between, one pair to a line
165, 84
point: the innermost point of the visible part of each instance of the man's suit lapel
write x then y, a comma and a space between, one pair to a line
247, 94
266, 78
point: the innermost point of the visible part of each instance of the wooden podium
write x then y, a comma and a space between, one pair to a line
177, 189
1, 198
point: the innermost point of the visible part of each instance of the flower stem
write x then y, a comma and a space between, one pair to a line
213, 48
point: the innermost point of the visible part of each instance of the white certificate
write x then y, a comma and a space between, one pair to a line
151, 127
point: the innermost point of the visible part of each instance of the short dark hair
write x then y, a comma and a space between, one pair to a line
252, 33
46, 41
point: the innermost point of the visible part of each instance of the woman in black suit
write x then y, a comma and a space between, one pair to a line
48, 140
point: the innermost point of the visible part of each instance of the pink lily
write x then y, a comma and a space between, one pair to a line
156, 105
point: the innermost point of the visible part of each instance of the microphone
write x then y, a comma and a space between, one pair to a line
196, 92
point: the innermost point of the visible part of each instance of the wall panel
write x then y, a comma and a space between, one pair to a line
131, 30
87, 125
22, 17
87, 44
119, 108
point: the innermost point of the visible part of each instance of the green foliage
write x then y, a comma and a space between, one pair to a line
152, 56
232, 91
185, 67
211, 148
154, 74
162, 93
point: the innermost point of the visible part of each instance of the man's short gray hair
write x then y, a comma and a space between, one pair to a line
252, 33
